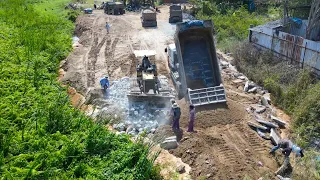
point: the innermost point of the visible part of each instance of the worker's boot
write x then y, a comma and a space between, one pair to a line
285, 167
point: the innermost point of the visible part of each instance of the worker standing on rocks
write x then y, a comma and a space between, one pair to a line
287, 147
192, 117
104, 82
176, 117
108, 27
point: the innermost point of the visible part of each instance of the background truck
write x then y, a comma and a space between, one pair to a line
149, 17
175, 14
193, 64
114, 8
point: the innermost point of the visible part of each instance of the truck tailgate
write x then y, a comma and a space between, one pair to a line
210, 95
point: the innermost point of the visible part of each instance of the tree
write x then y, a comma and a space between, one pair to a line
314, 19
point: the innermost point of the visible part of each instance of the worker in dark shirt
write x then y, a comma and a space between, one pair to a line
176, 117
139, 76
287, 147
145, 63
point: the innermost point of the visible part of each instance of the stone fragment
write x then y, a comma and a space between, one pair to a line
242, 77
280, 122
252, 90
246, 87
275, 138
181, 169
169, 144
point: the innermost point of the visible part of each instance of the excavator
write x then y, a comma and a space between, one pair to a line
149, 87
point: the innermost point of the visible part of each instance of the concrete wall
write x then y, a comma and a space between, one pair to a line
289, 47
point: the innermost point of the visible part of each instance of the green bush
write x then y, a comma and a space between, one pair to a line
231, 23
307, 168
307, 115
41, 135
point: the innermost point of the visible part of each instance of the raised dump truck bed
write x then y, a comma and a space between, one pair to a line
197, 73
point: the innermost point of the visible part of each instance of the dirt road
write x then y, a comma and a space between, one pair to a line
111, 54
223, 147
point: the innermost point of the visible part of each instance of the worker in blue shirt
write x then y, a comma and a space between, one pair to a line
107, 27
104, 82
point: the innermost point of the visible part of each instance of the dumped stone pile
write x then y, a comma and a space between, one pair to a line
133, 118
266, 124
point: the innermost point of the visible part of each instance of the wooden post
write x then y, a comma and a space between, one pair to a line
304, 53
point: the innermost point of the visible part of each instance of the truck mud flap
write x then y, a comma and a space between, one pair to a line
204, 96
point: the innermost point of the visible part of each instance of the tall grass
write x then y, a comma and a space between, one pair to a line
41, 135
231, 23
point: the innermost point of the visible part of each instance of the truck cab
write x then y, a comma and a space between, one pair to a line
173, 65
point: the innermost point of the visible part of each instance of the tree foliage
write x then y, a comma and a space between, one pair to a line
232, 20
314, 19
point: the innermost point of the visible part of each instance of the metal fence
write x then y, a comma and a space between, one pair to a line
287, 46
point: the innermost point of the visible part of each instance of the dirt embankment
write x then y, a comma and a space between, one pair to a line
223, 147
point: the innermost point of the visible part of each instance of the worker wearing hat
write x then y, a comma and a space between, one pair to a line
105, 84
176, 117
287, 147
171, 110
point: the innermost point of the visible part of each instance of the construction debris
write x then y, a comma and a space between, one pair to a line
258, 108
266, 123
263, 135
181, 169
252, 90
282, 178
169, 143
224, 64
280, 122
242, 77
257, 126
265, 99
246, 87
275, 138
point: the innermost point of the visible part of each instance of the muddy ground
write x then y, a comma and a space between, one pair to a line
224, 147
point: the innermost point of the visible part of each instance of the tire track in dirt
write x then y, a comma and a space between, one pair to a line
252, 138
92, 59
109, 54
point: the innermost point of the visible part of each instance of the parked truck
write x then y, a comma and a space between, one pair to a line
149, 17
193, 64
175, 13
114, 8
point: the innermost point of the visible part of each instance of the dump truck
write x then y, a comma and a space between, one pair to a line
175, 14
149, 17
114, 8
148, 87
193, 64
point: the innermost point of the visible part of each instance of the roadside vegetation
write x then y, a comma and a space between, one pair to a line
41, 135
292, 89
